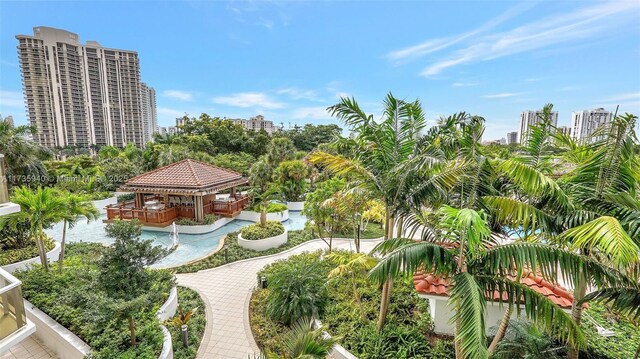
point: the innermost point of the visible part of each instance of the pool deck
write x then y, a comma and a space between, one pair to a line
226, 290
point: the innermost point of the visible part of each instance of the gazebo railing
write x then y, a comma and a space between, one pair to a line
227, 207
144, 215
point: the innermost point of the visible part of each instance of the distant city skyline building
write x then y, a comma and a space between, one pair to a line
80, 95
585, 123
565, 130
149, 113
512, 137
167, 130
530, 118
256, 124
9, 120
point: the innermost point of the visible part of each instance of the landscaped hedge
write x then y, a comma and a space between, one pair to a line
276, 207
208, 219
623, 344
189, 300
256, 232
17, 255
72, 298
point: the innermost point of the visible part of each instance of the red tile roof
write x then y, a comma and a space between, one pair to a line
427, 283
185, 174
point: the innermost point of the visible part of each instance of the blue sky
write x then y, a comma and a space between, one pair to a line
289, 60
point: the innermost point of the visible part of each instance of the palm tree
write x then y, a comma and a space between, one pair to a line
525, 340
304, 342
593, 209
23, 157
384, 160
352, 265
75, 207
460, 248
41, 207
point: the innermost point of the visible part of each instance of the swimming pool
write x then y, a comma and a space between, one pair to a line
190, 247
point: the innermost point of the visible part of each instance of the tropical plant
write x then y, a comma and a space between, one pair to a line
593, 209
353, 266
75, 207
320, 214
385, 158
296, 290
291, 176
304, 342
122, 270
460, 248
525, 340
41, 208
181, 321
280, 149
23, 157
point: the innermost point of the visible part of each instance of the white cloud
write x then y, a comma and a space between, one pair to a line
249, 99
299, 94
586, 22
624, 97
11, 99
433, 45
169, 112
464, 84
313, 113
178, 95
502, 95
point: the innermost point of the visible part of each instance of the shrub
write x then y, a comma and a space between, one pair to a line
126, 197
17, 255
72, 298
208, 219
189, 300
275, 207
296, 288
256, 231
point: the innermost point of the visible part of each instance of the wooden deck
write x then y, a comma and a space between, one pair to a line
166, 216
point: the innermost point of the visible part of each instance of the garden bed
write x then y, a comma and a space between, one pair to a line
18, 255
71, 297
189, 300
407, 333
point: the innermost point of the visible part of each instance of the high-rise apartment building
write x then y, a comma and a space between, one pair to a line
530, 118
80, 95
512, 137
149, 114
585, 123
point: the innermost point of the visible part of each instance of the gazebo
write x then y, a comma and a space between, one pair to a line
184, 189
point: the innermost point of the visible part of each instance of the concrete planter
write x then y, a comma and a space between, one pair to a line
58, 338
101, 205
52, 256
295, 206
169, 308
255, 216
264, 244
167, 344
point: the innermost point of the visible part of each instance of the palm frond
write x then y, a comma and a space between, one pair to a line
468, 298
625, 300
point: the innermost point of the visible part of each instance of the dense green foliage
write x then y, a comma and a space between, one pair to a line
405, 336
291, 177
189, 300
623, 344
8, 256
73, 298
208, 219
256, 231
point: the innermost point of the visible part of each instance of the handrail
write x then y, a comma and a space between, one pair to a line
14, 282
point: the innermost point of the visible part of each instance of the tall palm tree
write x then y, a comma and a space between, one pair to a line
41, 207
75, 207
385, 158
460, 248
593, 209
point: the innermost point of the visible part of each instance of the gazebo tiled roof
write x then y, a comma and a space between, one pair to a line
186, 175
427, 283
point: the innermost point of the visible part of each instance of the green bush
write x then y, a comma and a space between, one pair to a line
296, 287
126, 197
232, 251
275, 207
208, 219
17, 255
256, 232
189, 300
72, 298
622, 345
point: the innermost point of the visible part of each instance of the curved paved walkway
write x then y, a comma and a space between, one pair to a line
226, 291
